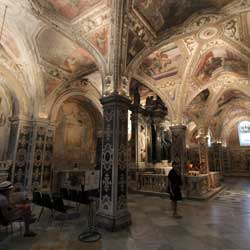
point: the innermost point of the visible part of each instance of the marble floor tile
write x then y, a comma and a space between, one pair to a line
221, 223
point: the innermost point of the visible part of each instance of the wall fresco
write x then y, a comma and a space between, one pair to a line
162, 63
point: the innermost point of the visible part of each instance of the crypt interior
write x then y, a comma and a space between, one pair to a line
105, 95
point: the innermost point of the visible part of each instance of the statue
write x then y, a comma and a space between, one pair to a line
137, 98
142, 144
149, 102
165, 146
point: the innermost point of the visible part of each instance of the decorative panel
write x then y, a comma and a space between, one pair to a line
22, 155
47, 163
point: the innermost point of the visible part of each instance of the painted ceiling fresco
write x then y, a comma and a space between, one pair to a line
70, 8
162, 63
11, 45
51, 83
99, 38
217, 61
163, 14
61, 52
197, 105
135, 45
230, 96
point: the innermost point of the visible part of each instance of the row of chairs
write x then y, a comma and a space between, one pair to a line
54, 203
73, 195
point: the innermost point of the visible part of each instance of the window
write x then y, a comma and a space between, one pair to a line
209, 139
244, 133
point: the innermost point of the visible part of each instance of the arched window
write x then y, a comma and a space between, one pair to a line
244, 133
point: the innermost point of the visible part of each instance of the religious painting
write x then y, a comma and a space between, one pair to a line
229, 96
100, 40
74, 137
5, 113
162, 63
51, 84
163, 14
70, 8
217, 61
63, 53
135, 45
196, 107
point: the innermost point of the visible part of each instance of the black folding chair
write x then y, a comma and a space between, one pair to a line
73, 195
59, 206
37, 199
46, 203
64, 194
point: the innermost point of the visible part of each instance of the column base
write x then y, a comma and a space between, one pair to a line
113, 224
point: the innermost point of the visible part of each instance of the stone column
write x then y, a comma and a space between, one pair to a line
216, 156
37, 154
19, 150
178, 149
148, 121
134, 139
113, 212
98, 156
203, 153
158, 140
47, 172
41, 150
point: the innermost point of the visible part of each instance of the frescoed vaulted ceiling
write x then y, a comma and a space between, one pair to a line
164, 14
63, 53
70, 9
194, 55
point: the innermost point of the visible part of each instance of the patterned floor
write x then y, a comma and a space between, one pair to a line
221, 223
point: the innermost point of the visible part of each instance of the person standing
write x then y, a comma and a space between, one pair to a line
174, 187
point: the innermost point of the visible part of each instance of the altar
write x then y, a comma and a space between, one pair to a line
76, 179
201, 186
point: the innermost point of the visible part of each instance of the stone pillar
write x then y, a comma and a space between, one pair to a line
134, 139
113, 212
47, 172
178, 149
98, 156
19, 150
41, 150
158, 141
216, 156
139, 139
149, 139
203, 153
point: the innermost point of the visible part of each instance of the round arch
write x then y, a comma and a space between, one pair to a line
155, 90
228, 128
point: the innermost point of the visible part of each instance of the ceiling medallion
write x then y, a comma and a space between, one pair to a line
208, 33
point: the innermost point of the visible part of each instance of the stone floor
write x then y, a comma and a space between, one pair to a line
221, 223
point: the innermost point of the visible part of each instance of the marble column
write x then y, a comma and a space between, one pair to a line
41, 151
148, 121
158, 141
203, 153
216, 156
178, 148
113, 212
134, 139
19, 150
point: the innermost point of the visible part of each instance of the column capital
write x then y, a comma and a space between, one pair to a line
115, 98
178, 127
